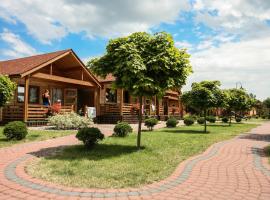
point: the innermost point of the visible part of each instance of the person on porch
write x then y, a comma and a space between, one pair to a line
46, 98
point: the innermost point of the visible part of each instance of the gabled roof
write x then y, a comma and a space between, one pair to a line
21, 65
27, 65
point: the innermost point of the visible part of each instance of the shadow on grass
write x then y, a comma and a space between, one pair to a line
218, 125
4, 140
185, 131
78, 152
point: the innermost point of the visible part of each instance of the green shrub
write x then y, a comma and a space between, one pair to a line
7, 88
201, 120
172, 122
225, 119
69, 121
89, 136
16, 130
150, 123
122, 129
211, 119
189, 121
238, 119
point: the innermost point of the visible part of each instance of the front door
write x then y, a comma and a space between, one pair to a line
70, 97
85, 98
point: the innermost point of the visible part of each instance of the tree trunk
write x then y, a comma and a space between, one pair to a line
140, 125
205, 121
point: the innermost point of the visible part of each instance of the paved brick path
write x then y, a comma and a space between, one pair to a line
234, 169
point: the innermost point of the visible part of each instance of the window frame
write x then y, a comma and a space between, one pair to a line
28, 99
110, 102
38, 94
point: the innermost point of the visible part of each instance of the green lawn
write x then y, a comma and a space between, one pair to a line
115, 162
259, 120
33, 135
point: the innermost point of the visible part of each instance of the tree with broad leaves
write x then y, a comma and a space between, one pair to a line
7, 88
144, 65
266, 103
204, 96
238, 100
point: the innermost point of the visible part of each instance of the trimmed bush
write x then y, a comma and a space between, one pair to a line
150, 123
171, 122
89, 136
69, 121
238, 119
211, 119
189, 121
225, 119
122, 129
200, 120
16, 130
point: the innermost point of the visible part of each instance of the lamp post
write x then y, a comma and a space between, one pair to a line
239, 84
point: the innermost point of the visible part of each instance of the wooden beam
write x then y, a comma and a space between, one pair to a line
62, 79
97, 100
45, 64
85, 69
51, 68
82, 73
26, 95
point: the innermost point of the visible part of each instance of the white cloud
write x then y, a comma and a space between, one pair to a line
244, 61
245, 17
17, 47
183, 44
51, 20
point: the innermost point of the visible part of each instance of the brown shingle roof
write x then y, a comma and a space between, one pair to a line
22, 65
108, 78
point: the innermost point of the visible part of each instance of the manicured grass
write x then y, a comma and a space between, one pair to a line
33, 135
116, 163
259, 120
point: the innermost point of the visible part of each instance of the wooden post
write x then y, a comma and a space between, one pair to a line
26, 91
82, 74
156, 106
97, 101
121, 101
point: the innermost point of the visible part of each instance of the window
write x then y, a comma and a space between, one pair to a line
20, 96
111, 95
33, 94
57, 94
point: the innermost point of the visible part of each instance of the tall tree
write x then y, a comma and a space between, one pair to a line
7, 88
144, 65
204, 96
238, 100
266, 103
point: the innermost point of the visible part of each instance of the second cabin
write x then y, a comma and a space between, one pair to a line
118, 104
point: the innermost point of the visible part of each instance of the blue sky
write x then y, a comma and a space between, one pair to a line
228, 40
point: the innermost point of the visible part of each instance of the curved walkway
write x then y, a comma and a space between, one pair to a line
234, 169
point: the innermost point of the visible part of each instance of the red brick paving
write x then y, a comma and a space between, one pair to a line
229, 174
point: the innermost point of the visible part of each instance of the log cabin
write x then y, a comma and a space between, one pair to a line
119, 105
61, 72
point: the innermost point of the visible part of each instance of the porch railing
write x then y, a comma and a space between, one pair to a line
39, 112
